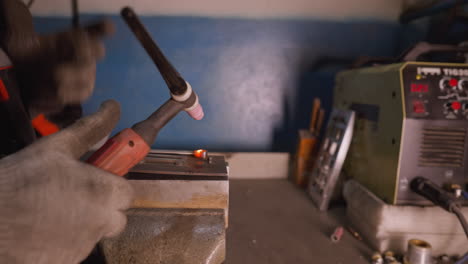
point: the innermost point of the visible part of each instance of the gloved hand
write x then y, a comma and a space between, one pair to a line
53, 70
53, 207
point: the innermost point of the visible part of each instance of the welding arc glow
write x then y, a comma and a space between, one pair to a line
200, 153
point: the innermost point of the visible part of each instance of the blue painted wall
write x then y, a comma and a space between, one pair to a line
256, 78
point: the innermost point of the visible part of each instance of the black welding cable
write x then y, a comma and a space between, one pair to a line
465, 194
440, 197
463, 260
456, 210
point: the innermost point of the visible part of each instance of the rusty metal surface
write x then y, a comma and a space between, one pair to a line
179, 215
181, 194
172, 236
177, 179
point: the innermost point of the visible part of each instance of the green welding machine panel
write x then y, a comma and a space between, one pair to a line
412, 120
436, 92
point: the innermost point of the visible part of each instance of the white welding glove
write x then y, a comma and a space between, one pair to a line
55, 208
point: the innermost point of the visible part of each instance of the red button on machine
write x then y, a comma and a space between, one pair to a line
456, 105
453, 82
418, 107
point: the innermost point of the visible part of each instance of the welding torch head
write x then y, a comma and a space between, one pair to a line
190, 99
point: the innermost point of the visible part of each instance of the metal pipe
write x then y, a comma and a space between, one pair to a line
456, 210
419, 252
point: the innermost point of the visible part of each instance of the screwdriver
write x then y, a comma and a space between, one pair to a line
127, 148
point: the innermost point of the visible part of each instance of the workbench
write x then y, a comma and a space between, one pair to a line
274, 222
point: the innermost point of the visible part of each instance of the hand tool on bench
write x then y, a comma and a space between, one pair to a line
123, 151
307, 144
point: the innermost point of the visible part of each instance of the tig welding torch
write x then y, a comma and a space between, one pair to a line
127, 148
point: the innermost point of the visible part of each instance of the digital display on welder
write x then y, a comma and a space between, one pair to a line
419, 88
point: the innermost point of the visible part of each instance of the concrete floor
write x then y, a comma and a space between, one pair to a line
272, 221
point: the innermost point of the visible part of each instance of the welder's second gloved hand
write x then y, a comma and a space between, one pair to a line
56, 69
55, 208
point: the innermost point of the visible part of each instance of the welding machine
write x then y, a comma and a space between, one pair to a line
411, 120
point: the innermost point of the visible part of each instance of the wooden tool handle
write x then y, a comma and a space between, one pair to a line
320, 119
120, 153
314, 117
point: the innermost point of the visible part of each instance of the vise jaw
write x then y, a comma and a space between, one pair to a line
180, 211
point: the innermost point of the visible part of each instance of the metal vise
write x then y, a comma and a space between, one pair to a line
180, 212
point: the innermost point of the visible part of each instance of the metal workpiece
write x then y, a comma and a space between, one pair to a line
180, 163
388, 227
419, 252
180, 180
175, 236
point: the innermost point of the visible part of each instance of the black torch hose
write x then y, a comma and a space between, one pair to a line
456, 210
174, 81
